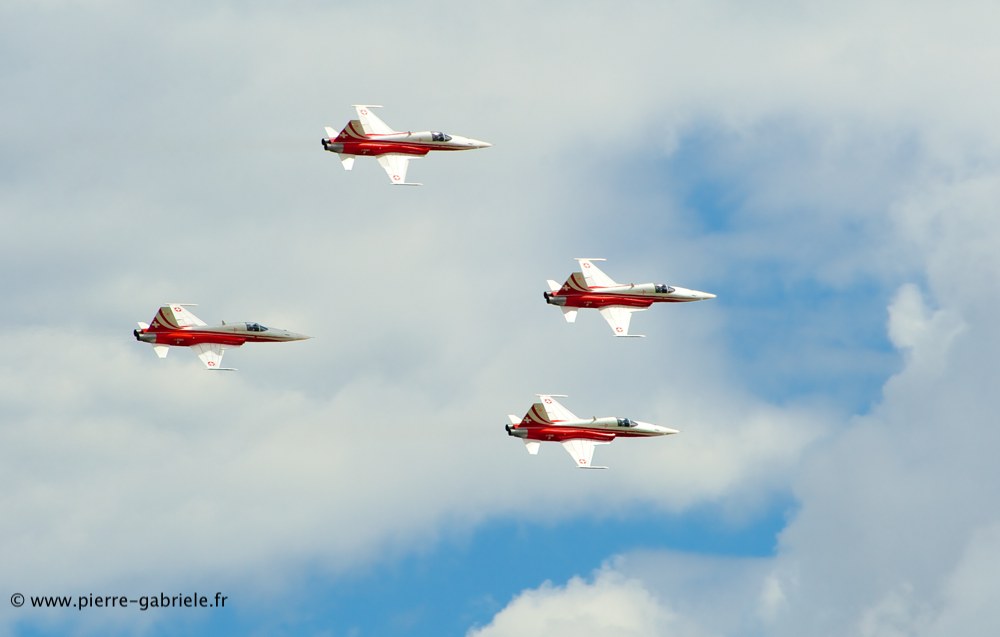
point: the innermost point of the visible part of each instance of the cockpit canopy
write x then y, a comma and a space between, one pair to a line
663, 288
438, 136
625, 422
256, 327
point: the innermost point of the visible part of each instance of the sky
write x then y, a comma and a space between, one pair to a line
830, 171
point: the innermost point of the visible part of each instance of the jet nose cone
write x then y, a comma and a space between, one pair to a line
294, 336
657, 429
698, 295
475, 143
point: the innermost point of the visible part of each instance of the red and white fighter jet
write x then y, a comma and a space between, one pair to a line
615, 301
174, 326
369, 136
549, 420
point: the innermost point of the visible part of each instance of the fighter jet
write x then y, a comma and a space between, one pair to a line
615, 301
369, 136
549, 420
175, 326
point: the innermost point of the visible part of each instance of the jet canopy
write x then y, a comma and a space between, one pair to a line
663, 288
438, 136
625, 422
256, 327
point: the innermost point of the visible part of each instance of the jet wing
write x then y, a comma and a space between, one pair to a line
582, 451
594, 276
618, 317
176, 315
555, 411
370, 122
211, 355
395, 166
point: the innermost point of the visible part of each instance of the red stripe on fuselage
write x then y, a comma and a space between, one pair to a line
604, 300
559, 434
592, 299
375, 148
187, 338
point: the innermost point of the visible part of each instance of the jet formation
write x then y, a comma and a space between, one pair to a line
369, 136
549, 420
546, 420
592, 288
175, 326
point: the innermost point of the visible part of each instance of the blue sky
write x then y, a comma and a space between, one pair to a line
830, 173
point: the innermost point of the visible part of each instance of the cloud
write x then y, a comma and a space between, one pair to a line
610, 605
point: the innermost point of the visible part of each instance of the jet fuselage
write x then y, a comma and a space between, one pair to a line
229, 334
640, 295
354, 141
534, 426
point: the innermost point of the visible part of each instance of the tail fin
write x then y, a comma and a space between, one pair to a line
575, 283
172, 317
537, 416
351, 131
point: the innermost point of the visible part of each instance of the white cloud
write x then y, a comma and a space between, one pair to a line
610, 605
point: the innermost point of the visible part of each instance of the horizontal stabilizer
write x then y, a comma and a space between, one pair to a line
347, 161
569, 313
143, 326
591, 467
514, 420
161, 350
532, 446
332, 134
553, 286
221, 369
